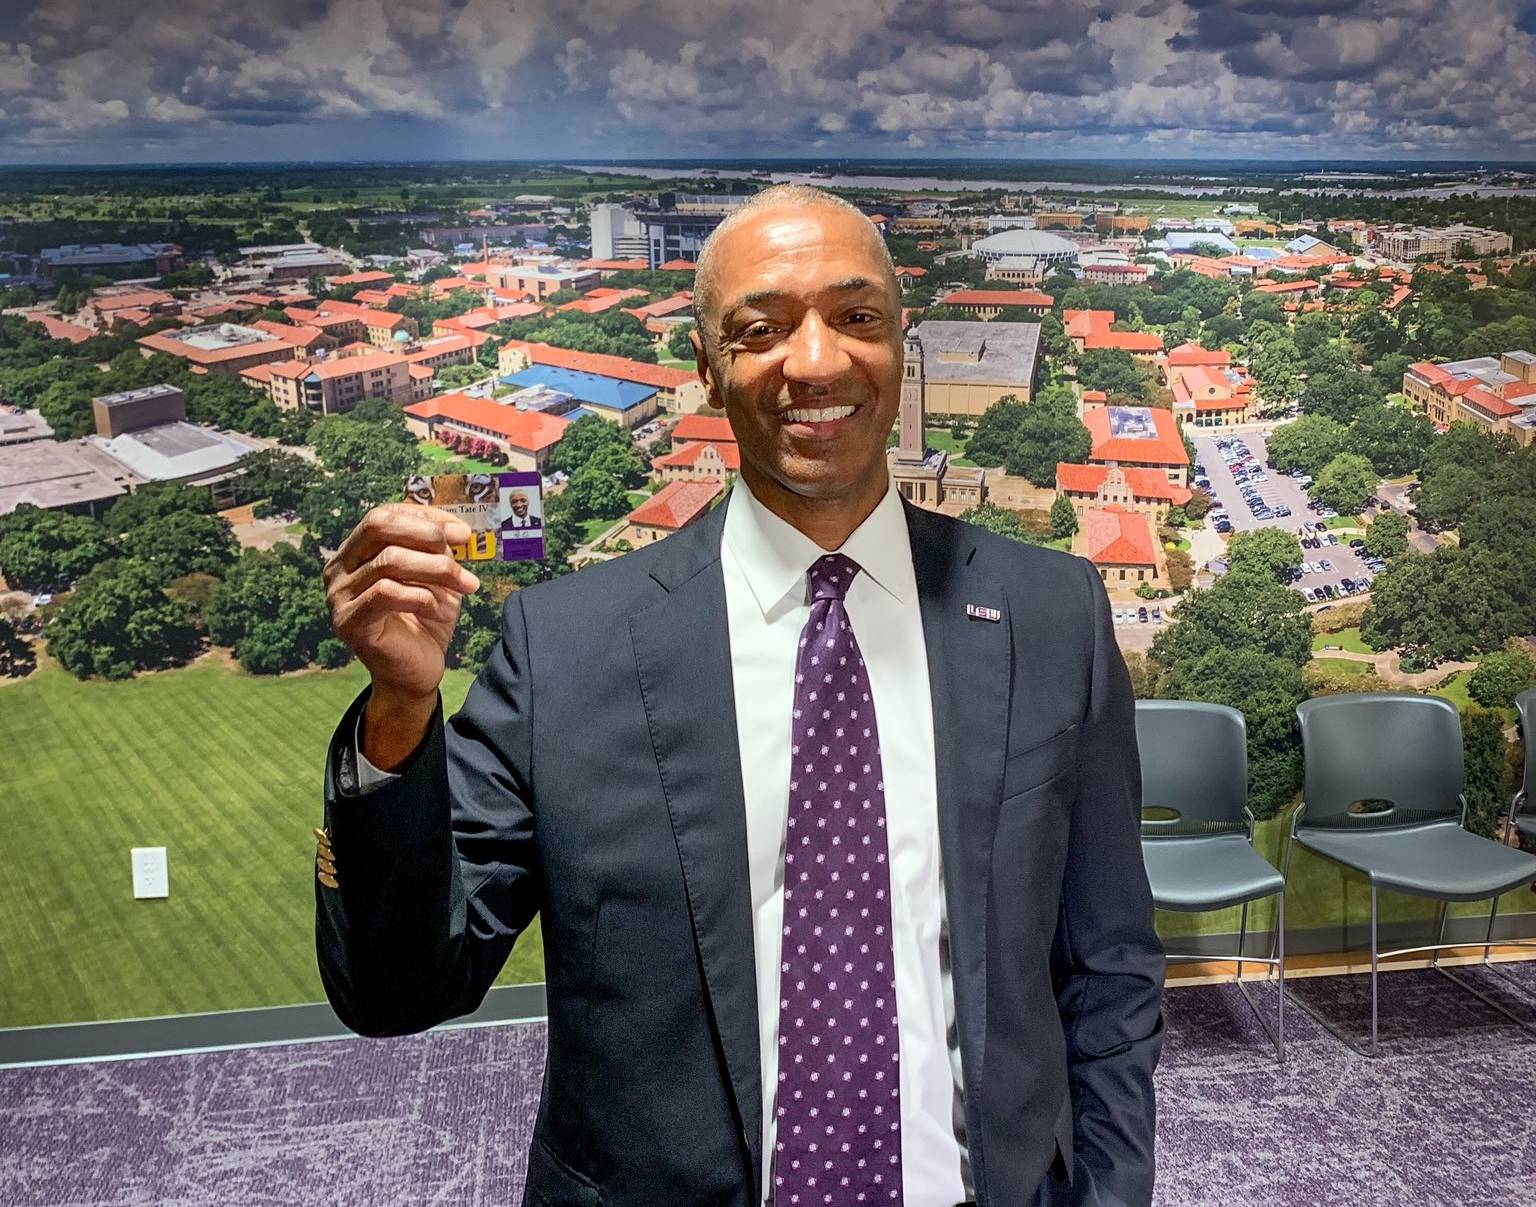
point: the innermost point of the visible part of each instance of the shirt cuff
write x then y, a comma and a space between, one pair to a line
369, 777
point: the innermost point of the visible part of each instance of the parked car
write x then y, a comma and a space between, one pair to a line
1309, 595
1326, 565
1119, 616
1357, 543
1141, 615
1157, 615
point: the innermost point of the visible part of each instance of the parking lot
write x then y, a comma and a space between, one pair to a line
1275, 500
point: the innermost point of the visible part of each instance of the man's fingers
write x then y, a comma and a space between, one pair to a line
386, 595
409, 566
408, 524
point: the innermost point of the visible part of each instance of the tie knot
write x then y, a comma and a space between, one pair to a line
831, 575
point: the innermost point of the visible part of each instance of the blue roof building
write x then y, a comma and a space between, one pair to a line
1186, 241
625, 402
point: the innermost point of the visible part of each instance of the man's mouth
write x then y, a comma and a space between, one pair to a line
813, 422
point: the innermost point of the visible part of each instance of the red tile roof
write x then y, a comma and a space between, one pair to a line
911, 272
363, 278
1165, 448
716, 429
676, 504
1489, 403
1093, 328
689, 454
1030, 298
1095, 396
1192, 353
659, 377
137, 299
59, 329
1116, 536
639, 265
1399, 295
1144, 483
677, 266
530, 431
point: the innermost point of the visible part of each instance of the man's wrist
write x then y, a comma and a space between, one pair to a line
394, 726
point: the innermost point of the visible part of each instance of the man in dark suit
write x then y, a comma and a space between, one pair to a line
907, 958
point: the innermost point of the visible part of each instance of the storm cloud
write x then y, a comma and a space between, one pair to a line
314, 79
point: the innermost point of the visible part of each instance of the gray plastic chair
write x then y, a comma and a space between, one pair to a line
1199, 852
1519, 819
1382, 796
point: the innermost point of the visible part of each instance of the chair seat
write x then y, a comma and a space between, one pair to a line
1440, 860
1200, 873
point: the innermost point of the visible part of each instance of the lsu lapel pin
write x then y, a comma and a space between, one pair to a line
977, 612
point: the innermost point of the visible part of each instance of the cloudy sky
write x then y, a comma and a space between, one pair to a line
181, 80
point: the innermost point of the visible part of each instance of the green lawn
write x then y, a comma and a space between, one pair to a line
592, 529
1344, 639
1344, 521
221, 768
943, 439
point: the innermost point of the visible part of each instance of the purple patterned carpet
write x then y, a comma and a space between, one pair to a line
1447, 1116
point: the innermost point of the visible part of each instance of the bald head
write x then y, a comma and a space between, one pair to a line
723, 245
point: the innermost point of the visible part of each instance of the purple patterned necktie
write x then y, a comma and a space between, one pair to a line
839, 1107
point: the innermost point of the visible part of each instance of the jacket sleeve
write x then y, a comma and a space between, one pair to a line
436, 869
1107, 958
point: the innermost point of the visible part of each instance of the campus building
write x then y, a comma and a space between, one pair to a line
1442, 243
219, 347
1208, 389
1498, 393
678, 391
671, 509
988, 304
1025, 257
1092, 330
967, 366
336, 385
1138, 438
1096, 487
703, 448
625, 403
1122, 547
526, 437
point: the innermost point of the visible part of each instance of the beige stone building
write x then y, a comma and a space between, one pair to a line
968, 366
922, 475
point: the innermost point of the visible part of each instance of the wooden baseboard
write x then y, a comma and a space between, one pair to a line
1339, 963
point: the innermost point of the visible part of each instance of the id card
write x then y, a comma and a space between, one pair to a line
504, 511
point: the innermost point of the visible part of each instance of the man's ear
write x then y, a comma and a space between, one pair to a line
702, 365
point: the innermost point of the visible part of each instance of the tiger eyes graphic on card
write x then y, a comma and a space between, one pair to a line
504, 511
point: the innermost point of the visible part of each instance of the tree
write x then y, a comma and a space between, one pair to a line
1270, 553
16, 657
583, 439
184, 542
1500, 677
1063, 518
1181, 570
153, 503
995, 431
279, 477
1393, 440
679, 344
1483, 770
1047, 436
271, 608
1242, 611
1199, 504
1307, 444
596, 494
1346, 483
43, 550
1387, 536
1340, 394
1114, 371
999, 520
119, 620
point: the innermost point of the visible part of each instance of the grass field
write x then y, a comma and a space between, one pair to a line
1342, 666
1344, 639
221, 768
943, 438
439, 460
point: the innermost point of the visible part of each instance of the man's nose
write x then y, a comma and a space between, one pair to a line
816, 356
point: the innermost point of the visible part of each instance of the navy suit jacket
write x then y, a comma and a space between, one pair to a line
593, 778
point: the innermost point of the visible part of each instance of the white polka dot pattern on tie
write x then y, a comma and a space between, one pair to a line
838, 1105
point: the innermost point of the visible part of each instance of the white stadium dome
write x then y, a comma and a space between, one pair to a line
1038, 245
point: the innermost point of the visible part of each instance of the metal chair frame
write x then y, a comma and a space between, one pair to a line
1275, 961
1438, 946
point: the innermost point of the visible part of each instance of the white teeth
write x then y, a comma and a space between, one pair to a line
826, 415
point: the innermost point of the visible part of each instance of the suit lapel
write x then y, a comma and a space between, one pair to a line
970, 665
683, 655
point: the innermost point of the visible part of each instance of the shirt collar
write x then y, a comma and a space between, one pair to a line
774, 555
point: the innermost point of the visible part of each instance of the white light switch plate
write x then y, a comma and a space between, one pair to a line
150, 877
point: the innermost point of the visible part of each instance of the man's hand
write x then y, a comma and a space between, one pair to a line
394, 590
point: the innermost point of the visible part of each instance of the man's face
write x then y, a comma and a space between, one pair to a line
806, 349
519, 504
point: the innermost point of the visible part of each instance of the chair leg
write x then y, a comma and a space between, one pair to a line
1375, 1047
1442, 916
1242, 940
1280, 935
1493, 912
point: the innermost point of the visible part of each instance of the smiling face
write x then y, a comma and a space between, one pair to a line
805, 354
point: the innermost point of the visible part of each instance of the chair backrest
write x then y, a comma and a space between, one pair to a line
1194, 758
1379, 745
1525, 706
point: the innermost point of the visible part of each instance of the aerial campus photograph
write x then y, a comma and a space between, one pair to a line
1233, 302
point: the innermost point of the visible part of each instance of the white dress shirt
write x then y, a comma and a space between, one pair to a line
764, 562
